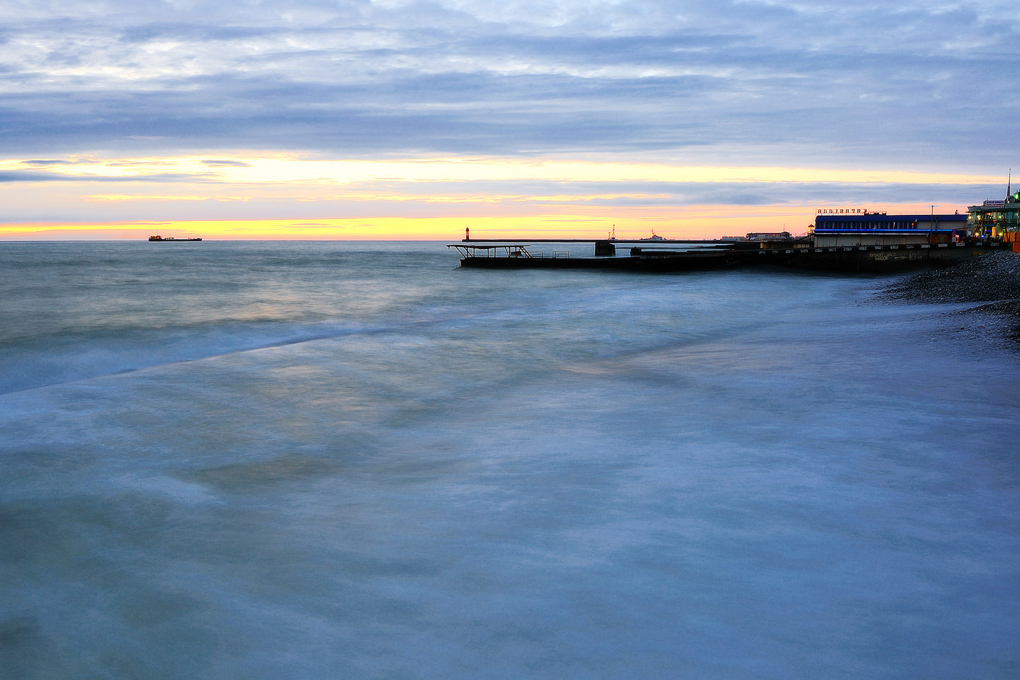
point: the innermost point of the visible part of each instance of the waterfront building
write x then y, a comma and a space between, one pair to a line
768, 236
996, 220
863, 228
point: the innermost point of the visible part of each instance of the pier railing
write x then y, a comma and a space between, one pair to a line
511, 250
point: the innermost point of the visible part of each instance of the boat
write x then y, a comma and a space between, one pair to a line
653, 237
157, 237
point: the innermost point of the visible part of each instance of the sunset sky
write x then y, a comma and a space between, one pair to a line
394, 119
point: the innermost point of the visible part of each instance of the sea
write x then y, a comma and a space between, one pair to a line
359, 460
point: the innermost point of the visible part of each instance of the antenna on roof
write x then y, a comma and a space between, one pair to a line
1009, 184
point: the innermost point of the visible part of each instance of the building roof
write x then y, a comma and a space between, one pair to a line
891, 218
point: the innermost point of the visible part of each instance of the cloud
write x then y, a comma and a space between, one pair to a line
821, 81
226, 164
7, 176
22, 176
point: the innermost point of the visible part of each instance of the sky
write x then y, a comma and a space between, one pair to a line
408, 119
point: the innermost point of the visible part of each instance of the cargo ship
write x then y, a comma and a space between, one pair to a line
157, 237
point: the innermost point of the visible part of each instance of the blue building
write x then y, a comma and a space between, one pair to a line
862, 228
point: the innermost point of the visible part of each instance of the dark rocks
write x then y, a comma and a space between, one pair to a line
988, 278
993, 278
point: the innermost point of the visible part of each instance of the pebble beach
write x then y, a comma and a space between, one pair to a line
993, 279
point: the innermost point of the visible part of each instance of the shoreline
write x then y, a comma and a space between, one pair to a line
992, 280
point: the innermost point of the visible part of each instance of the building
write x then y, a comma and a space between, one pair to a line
768, 236
862, 228
996, 220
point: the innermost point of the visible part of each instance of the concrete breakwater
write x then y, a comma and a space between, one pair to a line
878, 259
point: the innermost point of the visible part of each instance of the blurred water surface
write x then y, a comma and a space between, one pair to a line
312, 460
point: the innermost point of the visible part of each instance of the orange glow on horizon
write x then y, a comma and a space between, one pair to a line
695, 222
231, 196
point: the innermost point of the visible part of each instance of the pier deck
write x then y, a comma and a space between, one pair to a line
880, 259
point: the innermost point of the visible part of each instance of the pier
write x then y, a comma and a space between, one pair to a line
658, 256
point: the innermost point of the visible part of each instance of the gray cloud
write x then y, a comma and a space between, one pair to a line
226, 164
7, 176
28, 176
703, 193
914, 83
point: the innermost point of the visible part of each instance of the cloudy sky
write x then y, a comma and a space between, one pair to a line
395, 119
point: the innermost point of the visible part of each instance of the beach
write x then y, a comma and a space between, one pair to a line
992, 279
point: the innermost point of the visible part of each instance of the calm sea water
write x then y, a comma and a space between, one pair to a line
356, 460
